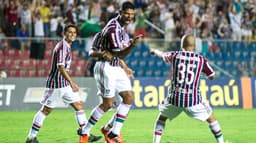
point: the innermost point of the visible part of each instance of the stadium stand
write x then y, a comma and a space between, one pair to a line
204, 18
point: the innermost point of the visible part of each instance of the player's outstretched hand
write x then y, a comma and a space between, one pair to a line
156, 52
152, 51
136, 39
129, 72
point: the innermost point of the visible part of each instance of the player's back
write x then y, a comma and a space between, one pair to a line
187, 67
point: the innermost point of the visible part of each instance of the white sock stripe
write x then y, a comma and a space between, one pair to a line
213, 123
80, 112
127, 105
100, 110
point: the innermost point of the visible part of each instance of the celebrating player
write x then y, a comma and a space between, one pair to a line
60, 84
110, 73
184, 94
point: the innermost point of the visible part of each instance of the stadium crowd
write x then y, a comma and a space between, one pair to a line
210, 20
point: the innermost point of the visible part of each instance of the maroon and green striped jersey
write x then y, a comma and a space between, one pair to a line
187, 67
61, 56
112, 38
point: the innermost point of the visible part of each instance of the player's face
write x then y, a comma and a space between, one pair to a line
127, 16
71, 34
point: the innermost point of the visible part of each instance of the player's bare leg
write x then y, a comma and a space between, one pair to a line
159, 128
215, 128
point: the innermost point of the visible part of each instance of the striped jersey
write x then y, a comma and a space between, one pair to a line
112, 38
187, 67
61, 56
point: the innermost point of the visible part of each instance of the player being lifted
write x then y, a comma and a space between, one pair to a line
110, 73
184, 94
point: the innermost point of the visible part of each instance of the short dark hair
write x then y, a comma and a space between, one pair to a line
68, 26
127, 5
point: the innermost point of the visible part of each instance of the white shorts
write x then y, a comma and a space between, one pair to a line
110, 79
201, 111
52, 96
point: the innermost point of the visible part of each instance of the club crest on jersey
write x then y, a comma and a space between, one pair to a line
107, 91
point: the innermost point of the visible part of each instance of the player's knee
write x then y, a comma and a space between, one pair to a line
78, 105
211, 119
106, 106
128, 98
46, 110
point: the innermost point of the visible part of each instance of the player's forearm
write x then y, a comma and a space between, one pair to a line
65, 74
96, 54
156, 52
123, 64
123, 53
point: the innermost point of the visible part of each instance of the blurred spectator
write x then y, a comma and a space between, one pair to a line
23, 34
2, 14
246, 28
3, 41
71, 15
224, 30
254, 26
12, 18
53, 26
131, 29
26, 17
60, 27
235, 18
179, 30
140, 27
169, 25
95, 10
83, 10
38, 25
45, 15
207, 36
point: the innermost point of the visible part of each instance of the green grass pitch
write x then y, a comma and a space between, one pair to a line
238, 126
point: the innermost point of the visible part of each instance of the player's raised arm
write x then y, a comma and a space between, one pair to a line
156, 52
126, 50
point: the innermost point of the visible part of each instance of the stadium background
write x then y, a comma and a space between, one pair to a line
230, 47
30, 29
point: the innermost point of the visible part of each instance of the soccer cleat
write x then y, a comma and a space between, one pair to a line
83, 139
32, 140
105, 133
93, 138
115, 138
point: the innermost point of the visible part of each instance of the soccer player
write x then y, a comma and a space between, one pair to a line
110, 73
60, 85
184, 94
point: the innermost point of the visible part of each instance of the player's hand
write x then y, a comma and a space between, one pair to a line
136, 39
107, 56
155, 52
74, 86
152, 51
129, 72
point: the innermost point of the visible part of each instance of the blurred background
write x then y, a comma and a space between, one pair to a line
225, 31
